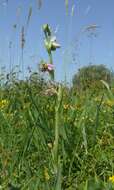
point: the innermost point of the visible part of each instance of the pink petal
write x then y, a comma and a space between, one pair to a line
50, 67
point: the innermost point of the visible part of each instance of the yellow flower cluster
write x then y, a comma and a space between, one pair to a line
111, 178
3, 103
68, 106
109, 103
46, 175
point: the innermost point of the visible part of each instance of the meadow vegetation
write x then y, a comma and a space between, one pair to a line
54, 136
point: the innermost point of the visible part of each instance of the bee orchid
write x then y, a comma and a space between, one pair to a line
47, 67
51, 44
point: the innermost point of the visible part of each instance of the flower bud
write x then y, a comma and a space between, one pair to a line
47, 29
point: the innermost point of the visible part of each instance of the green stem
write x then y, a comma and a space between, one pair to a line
50, 57
51, 62
57, 126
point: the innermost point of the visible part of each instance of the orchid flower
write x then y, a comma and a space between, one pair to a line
50, 45
47, 67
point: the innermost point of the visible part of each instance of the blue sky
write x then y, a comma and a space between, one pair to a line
77, 48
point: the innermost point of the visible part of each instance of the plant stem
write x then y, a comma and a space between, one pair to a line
51, 62
57, 126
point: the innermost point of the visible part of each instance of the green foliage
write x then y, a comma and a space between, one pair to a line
89, 77
27, 137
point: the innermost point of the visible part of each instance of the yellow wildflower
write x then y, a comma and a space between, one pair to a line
3, 103
111, 178
66, 106
46, 175
109, 103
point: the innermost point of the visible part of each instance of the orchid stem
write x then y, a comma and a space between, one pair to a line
57, 126
51, 62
